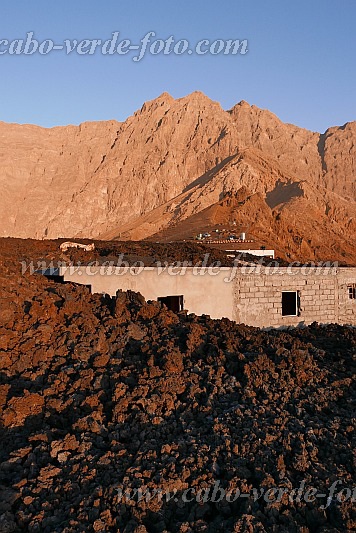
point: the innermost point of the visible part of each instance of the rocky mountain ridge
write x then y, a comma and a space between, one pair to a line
171, 160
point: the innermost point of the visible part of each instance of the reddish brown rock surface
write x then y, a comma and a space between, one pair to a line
171, 160
98, 394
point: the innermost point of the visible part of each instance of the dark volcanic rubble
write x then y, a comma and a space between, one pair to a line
100, 393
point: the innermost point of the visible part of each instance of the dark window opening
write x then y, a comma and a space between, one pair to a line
352, 292
174, 303
290, 303
351, 289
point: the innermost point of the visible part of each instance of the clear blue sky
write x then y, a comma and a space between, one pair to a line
300, 64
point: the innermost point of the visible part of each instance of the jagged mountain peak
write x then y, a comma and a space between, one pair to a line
169, 161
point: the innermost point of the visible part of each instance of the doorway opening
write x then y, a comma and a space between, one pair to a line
173, 303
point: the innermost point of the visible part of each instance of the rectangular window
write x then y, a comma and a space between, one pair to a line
351, 289
174, 303
290, 303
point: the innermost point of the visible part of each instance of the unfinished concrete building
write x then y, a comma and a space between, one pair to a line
253, 295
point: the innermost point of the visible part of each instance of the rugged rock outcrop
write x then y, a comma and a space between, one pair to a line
169, 161
101, 394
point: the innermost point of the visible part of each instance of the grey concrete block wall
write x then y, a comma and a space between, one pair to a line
346, 306
322, 294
